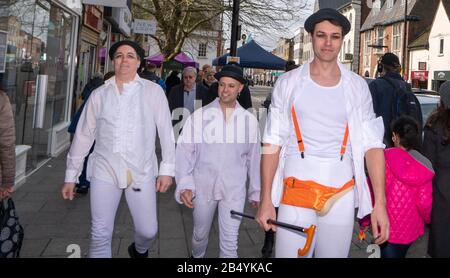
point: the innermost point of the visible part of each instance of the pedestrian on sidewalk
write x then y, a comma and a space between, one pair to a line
408, 188
436, 147
7, 146
320, 128
82, 187
122, 116
216, 151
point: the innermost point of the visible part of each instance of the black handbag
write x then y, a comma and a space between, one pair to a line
11, 232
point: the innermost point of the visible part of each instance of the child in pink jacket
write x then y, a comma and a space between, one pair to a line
408, 188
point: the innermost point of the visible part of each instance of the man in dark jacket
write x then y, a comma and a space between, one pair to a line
148, 72
384, 94
188, 95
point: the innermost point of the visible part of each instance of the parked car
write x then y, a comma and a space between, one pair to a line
424, 91
428, 103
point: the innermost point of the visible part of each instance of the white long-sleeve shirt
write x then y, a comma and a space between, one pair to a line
214, 156
124, 129
365, 130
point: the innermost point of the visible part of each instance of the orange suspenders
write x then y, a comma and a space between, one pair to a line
309, 194
301, 146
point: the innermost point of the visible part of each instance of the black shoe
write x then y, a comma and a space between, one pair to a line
82, 190
268, 245
135, 254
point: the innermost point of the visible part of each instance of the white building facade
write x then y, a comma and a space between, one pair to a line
439, 42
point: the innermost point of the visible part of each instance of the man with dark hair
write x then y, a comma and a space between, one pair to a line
384, 92
149, 72
320, 129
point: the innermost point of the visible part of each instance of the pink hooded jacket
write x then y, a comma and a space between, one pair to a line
408, 195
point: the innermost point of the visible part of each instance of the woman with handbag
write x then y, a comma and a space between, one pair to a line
7, 146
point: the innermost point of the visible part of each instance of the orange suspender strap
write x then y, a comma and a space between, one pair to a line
301, 146
344, 143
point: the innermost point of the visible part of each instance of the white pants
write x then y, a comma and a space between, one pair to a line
334, 230
228, 226
105, 198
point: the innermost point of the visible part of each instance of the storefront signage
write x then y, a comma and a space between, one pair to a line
123, 18
107, 3
419, 75
147, 27
3, 41
442, 75
93, 18
74, 5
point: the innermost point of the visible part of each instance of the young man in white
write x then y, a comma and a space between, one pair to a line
122, 116
216, 151
320, 127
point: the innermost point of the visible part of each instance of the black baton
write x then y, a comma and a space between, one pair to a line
273, 222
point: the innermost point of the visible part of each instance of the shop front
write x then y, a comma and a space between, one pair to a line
37, 70
419, 79
440, 76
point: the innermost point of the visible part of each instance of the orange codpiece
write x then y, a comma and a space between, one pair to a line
309, 194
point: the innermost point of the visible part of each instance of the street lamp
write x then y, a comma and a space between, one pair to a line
234, 28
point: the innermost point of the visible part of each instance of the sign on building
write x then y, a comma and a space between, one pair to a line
3, 41
147, 27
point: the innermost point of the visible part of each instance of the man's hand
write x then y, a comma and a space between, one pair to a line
186, 198
265, 212
163, 183
67, 191
5, 192
380, 224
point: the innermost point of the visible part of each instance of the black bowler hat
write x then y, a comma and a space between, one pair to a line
232, 71
327, 14
139, 51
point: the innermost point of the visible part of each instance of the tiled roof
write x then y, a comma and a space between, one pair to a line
421, 41
385, 16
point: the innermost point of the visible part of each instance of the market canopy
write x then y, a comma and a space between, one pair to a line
181, 58
252, 55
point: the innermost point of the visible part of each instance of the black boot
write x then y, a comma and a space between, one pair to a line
135, 254
268, 244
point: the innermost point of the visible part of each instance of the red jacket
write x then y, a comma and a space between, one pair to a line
408, 195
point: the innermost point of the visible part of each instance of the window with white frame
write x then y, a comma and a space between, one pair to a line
202, 49
441, 46
380, 36
397, 39
366, 49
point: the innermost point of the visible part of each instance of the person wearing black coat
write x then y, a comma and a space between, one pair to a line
436, 147
172, 80
177, 95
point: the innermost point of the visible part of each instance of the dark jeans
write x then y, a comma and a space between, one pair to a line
392, 250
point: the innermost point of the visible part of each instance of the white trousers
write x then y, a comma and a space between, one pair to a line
334, 230
105, 198
204, 211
